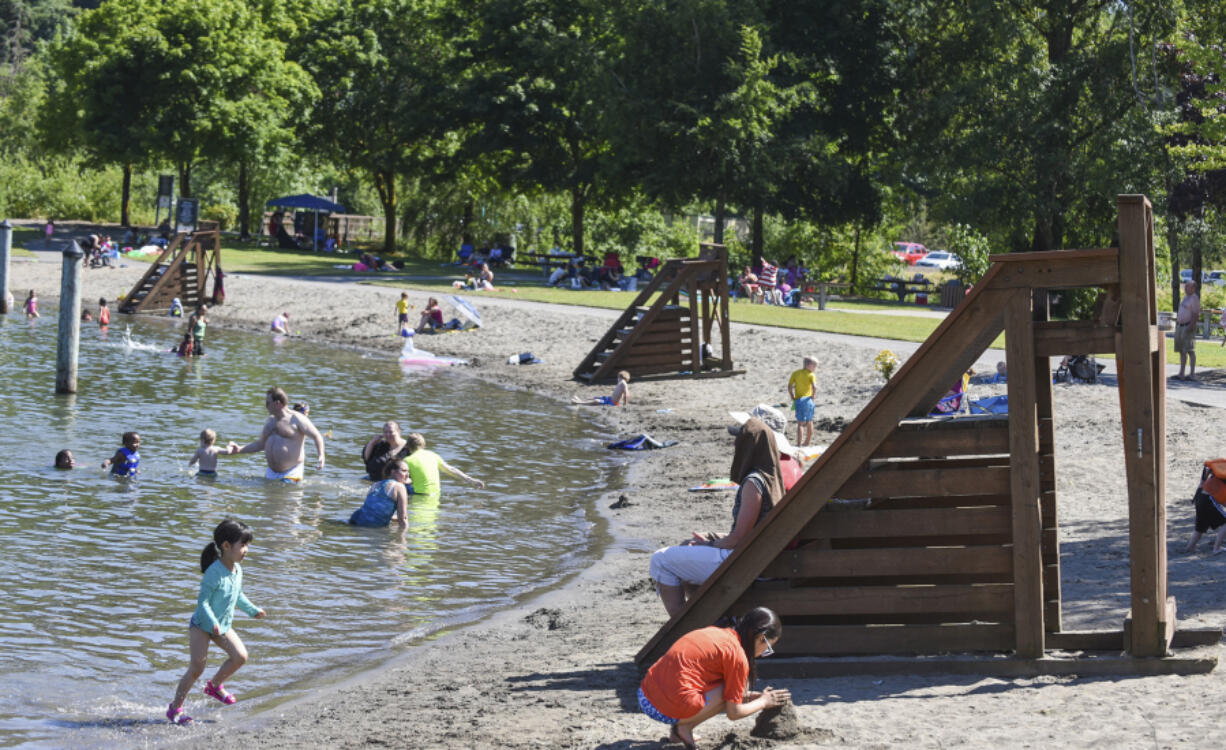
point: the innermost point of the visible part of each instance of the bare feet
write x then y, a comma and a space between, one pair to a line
1217, 550
686, 740
1189, 549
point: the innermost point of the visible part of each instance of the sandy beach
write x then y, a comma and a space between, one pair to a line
559, 672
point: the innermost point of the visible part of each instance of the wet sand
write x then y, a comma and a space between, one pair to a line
559, 672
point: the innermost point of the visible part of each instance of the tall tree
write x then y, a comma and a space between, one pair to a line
382, 92
534, 95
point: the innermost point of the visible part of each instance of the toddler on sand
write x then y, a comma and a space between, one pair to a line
206, 455
802, 387
619, 397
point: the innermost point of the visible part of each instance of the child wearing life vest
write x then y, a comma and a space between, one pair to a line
126, 461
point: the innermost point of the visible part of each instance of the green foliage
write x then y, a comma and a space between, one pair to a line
973, 248
638, 229
65, 188
225, 214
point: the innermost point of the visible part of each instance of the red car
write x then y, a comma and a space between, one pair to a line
909, 252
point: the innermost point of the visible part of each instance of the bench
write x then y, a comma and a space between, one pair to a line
822, 290
547, 262
904, 287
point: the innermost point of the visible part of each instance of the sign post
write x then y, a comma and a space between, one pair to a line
166, 190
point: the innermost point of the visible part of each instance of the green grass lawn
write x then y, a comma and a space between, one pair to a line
431, 276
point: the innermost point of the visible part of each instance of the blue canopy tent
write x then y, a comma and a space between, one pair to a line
306, 202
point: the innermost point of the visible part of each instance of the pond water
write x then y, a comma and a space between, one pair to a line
101, 574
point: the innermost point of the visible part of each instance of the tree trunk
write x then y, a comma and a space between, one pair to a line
244, 202
855, 257
721, 217
125, 197
466, 229
385, 184
576, 218
757, 235
185, 180
1172, 241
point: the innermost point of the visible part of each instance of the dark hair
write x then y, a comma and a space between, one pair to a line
102, 301
392, 465
63, 459
234, 532
755, 622
129, 437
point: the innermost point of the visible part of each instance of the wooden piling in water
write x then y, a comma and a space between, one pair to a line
70, 320
6, 249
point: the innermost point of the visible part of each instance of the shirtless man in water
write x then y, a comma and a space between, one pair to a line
283, 439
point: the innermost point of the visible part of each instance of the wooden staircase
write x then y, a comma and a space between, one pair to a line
667, 325
913, 535
182, 270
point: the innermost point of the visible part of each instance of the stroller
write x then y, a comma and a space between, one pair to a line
1080, 368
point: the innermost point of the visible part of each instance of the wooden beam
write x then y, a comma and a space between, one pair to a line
1059, 339
808, 562
898, 482
1142, 435
1083, 666
927, 522
980, 600
845, 640
988, 437
1058, 269
1024, 476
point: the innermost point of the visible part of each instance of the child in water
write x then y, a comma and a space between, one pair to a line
221, 589
31, 306
184, 349
619, 397
64, 460
206, 455
104, 313
126, 461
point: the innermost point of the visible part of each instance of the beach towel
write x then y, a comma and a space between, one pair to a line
991, 405
641, 442
715, 485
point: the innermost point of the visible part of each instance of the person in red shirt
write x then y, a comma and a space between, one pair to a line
709, 670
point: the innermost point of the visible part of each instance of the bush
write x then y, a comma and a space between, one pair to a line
223, 213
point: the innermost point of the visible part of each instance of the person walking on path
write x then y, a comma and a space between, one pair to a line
1185, 331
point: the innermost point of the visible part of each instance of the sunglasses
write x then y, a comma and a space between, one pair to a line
768, 650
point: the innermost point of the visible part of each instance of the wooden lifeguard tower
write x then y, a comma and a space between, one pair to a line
669, 334
917, 535
182, 270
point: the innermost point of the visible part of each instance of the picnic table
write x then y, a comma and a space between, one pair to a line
903, 287
822, 291
548, 261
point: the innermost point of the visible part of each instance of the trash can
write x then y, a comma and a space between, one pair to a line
921, 298
951, 293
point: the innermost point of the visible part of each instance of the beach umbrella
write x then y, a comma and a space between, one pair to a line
465, 309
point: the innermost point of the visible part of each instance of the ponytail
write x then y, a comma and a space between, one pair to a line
229, 530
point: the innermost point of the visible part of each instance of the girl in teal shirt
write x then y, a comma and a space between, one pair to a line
221, 590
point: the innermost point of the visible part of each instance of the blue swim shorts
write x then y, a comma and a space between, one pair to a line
804, 409
652, 711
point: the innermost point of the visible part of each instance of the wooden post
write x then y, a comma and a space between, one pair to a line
1142, 395
70, 320
1024, 479
6, 248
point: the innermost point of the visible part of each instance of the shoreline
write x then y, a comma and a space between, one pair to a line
557, 671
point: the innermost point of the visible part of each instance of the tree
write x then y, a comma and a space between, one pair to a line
534, 96
379, 66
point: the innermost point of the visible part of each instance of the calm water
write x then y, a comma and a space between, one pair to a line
100, 575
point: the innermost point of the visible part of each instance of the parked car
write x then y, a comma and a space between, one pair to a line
940, 259
909, 252
1216, 278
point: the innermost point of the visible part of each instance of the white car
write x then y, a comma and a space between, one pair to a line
940, 259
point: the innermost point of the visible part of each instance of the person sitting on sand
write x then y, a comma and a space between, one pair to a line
485, 280
712, 670
280, 324
387, 500
424, 466
431, 317
383, 448
755, 467
620, 396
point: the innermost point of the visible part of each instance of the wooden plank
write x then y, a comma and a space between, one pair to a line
640, 350
808, 562
933, 522
1024, 475
990, 438
975, 322
1147, 539
844, 640
979, 601
942, 501
1082, 666
1039, 273
1058, 339
894, 483
695, 348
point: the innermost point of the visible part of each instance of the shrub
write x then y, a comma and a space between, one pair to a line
223, 213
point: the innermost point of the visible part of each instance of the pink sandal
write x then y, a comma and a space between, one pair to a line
177, 716
219, 692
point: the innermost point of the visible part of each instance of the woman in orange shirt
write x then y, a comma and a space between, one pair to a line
709, 670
